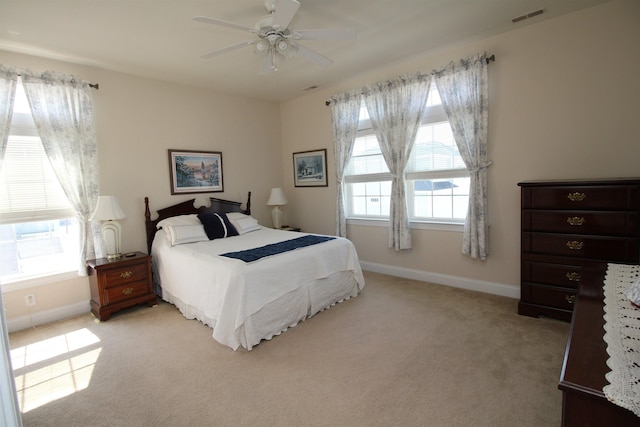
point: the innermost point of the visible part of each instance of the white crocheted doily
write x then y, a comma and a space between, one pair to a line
622, 335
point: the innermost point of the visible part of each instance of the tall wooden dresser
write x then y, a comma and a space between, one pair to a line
570, 231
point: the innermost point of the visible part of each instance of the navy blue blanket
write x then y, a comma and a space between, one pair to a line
255, 254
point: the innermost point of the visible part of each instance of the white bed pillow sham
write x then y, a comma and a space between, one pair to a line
191, 219
181, 234
243, 223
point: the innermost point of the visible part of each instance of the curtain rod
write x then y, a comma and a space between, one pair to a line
488, 59
95, 86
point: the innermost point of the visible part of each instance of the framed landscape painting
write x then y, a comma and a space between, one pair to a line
310, 168
195, 171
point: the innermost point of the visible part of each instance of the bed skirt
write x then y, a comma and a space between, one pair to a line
299, 304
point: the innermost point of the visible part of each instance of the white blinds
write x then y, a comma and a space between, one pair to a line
29, 189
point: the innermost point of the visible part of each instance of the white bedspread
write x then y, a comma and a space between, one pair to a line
228, 291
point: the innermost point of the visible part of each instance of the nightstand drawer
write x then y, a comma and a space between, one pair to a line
126, 291
119, 276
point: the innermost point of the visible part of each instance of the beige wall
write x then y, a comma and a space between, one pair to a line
564, 103
137, 121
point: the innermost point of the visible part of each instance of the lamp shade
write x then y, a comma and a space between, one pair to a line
277, 197
107, 209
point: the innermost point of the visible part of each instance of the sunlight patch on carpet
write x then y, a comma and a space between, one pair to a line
51, 369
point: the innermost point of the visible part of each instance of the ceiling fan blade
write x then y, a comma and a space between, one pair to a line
328, 34
285, 11
227, 49
224, 24
313, 56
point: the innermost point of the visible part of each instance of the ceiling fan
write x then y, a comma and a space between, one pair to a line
276, 40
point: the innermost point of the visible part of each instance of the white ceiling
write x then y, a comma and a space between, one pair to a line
159, 39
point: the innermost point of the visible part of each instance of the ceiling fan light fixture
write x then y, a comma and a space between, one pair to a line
273, 36
282, 45
262, 46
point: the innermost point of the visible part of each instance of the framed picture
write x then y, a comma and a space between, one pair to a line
310, 168
195, 171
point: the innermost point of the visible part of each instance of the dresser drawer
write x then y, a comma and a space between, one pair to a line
566, 276
580, 246
577, 222
132, 273
126, 291
577, 197
548, 296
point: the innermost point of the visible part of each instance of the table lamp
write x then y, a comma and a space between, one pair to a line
277, 200
108, 210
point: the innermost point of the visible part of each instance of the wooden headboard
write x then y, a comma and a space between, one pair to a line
186, 208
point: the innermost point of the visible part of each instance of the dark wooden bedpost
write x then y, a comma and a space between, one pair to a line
147, 212
150, 228
248, 209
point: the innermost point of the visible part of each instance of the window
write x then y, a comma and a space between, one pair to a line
437, 180
39, 233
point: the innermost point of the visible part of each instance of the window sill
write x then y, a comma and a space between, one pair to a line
414, 225
32, 282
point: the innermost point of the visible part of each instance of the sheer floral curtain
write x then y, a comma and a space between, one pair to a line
396, 108
63, 112
345, 112
8, 81
463, 88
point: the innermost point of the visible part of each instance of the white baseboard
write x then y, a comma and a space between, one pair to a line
46, 316
443, 279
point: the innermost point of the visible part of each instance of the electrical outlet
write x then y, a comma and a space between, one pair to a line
30, 300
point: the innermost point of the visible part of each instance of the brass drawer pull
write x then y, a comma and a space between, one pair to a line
576, 197
576, 220
575, 245
570, 298
126, 274
127, 291
573, 276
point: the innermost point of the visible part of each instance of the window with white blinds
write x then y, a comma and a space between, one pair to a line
29, 187
39, 233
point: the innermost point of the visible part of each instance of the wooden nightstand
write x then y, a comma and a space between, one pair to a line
119, 284
289, 228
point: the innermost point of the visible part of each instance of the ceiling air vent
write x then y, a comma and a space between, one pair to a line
527, 15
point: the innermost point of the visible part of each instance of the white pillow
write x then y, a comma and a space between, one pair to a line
243, 223
236, 215
181, 234
179, 220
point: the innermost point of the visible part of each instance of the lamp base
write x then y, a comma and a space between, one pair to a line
276, 217
111, 237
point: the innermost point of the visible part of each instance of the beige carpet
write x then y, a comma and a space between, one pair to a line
403, 353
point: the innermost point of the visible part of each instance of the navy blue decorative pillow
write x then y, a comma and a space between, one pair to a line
217, 225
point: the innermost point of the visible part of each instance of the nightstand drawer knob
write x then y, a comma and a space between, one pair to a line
570, 299
127, 291
576, 220
575, 245
576, 197
126, 274
574, 277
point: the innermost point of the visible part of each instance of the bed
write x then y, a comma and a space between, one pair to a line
251, 286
